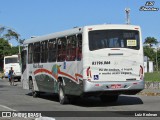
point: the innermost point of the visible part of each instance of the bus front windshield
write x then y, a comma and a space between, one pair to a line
100, 39
11, 60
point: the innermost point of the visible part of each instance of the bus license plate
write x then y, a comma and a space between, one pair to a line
115, 86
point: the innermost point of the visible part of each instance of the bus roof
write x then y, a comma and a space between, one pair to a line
77, 30
11, 56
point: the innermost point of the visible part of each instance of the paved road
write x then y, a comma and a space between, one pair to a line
14, 98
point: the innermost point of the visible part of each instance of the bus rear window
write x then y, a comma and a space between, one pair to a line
100, 39
11, 60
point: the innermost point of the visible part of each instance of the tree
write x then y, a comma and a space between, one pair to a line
151, 41
5, 48
12, 35
7, 34
14, 50
149, 52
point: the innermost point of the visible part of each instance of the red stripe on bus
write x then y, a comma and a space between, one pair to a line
76, 75
46, 71
43, 70
59, 72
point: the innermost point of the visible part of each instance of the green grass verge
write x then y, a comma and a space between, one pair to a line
152, 77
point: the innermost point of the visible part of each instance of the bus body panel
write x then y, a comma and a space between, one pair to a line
45, 76
112, 69
24, 76
104, 67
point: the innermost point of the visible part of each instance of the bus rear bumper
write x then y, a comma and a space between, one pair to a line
126, 87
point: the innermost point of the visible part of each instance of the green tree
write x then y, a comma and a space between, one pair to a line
14, 50
151, 41
11, 35
149, 52
5, 48
7, 34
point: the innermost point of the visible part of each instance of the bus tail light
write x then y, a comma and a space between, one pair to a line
135, 83
90, 28
97, 85
88, 72
141, 73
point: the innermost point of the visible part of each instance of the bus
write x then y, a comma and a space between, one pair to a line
104, 61
12, 61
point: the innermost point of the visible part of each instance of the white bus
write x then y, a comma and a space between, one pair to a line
100, 60
12, 61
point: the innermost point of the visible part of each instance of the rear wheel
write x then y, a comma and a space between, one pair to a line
62, 97
109, 98
19, 80
31, 87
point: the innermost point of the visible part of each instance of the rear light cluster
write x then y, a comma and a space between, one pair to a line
136, 28
89, 74
141, 73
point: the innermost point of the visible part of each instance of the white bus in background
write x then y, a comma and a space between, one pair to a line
12, 61
100, 60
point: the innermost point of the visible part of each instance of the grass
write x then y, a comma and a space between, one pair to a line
152, 77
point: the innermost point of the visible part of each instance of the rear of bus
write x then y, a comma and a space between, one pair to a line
112, 60
12, 61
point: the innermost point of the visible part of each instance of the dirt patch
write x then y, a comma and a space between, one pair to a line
149, 94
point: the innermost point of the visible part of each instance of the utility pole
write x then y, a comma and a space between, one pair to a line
127, 10
156, 58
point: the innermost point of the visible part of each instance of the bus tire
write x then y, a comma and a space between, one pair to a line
19, 80
109, 98
31, 87
62, 97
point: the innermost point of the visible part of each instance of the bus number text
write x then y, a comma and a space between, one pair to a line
101, 62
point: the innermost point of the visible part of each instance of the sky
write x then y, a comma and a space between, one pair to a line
40, 17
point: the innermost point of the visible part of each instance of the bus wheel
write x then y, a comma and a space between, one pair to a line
62, 97
19, 80
109, 98
31, 87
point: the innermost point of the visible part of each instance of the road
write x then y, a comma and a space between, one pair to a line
14, 98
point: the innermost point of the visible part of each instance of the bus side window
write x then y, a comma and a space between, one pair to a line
61, 54
71, 48
79, 47
30, 53
36, 54
52, 47
44, 51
